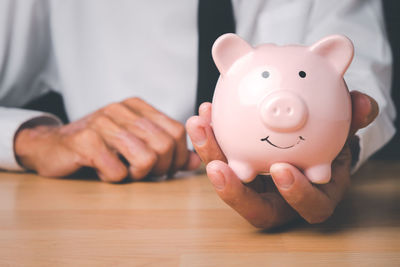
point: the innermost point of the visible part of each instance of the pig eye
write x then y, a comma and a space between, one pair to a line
302, 74
265, 74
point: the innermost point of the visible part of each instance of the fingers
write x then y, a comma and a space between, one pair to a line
141, 159
263, 211
93, 152
175, 130
202, 136
205, 111
364, 111
150, 142
340, 181
192, 163
153, 136
314, 203
166, 137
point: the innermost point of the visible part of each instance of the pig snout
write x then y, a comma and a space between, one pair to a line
283, 111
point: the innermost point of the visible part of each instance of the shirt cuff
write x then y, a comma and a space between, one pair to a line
372, 138
11, 121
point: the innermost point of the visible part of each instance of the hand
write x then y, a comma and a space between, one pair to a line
272, 201
147, 140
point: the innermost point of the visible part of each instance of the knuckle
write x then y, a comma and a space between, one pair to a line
147, 161
179, 132
133, 100
166, 146
87, 136
102, 121
191, 123
111, 108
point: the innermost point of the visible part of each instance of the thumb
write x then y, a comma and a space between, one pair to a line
364, 111
252, 206
311, 203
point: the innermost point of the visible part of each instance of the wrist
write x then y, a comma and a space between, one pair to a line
26, 143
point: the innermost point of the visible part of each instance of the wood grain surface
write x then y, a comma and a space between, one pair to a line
79, 221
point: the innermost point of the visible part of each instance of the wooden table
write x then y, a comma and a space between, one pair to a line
70, 222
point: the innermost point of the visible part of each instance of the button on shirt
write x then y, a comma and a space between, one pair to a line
95, 52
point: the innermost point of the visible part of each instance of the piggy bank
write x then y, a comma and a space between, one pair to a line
281, 104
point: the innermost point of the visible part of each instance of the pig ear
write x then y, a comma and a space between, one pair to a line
337, 49
227, 49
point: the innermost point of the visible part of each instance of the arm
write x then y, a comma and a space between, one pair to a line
127, 138
24, 48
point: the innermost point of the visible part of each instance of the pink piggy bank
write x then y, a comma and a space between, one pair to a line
281, 104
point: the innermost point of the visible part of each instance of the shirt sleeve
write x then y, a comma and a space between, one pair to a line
24, 53
11, 120
371, 70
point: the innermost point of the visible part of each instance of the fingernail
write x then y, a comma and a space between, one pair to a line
285, 179
218, 180
203, 107
199, 136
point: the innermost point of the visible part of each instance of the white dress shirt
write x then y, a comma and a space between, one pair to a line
95, 52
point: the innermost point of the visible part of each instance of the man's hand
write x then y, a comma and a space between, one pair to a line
147, 140
268, 202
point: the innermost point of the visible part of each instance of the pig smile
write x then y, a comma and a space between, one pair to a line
301, 138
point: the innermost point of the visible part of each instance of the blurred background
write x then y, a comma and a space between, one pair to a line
53, 103
392, 17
